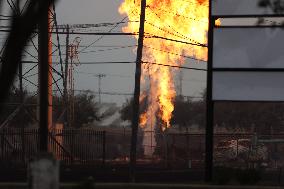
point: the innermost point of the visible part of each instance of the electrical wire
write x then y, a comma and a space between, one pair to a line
173, 66
125, 62
184, 56
183, 36
101, 37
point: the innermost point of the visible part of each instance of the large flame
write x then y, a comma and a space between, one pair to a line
180, 20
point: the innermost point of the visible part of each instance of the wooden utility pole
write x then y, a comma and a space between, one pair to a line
209, 103
135, 118
45, 77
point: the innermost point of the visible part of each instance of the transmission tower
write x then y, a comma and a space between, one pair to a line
100, 76
74, 60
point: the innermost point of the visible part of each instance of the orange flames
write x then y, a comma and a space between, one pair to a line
182, 20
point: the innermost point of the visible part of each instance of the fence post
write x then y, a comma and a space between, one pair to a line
2, 143
279, 175
104, 147
187, 145
23, 144
237, 147
72, 138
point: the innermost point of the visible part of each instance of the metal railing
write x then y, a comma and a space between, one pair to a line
71, 146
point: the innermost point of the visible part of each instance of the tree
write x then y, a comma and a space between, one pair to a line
264, 117
85, 108
127, 109
277, 6
183, 112
186, 112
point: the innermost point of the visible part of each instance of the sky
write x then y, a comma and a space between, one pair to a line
119, 78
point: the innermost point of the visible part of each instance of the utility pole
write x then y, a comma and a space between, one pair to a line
44, 77
65, 93
100, 76
135, 118
209, 103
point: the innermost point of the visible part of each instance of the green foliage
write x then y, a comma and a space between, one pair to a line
264, 3
127, 108
185, 113
250, 114
277, 6
246, 115
188, 112
85, 108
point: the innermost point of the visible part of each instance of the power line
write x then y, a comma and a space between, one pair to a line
166, 31
103, 50
125, 34
101, 36
80, 33
123, 47
173, 66
125, 62
129, 76
173, 53
171, 26
88, 63
176, 14
111, 75
175, 40
124, 94
86, 26
182, 36
110, 49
